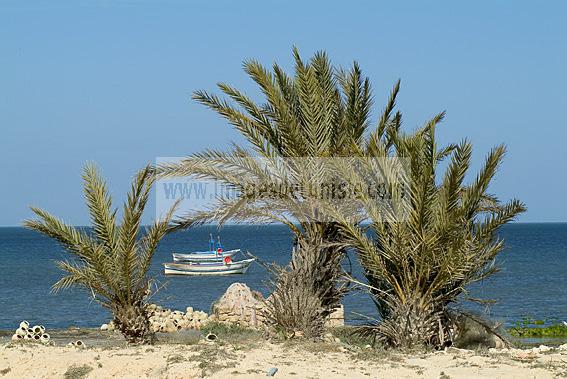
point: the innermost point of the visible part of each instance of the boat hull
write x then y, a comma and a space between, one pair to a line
203, 256
208, 269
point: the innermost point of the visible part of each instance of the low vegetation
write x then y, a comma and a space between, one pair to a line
4, 371
78, 372
231, 332
529, 328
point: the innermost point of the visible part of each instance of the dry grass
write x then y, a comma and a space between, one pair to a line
4, 371
77, 372
214, 358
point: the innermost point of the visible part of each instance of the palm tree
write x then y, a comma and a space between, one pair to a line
110, 261
434, 237
319, 112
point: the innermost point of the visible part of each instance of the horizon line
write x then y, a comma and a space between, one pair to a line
267, 224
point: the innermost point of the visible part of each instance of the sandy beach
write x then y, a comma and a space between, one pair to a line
253, 357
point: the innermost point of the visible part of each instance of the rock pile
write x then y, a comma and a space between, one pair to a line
165, 320
240, 306
34, 334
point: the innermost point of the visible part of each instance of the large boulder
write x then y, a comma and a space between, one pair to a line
241, 306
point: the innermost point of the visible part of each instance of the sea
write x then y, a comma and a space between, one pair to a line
532, 282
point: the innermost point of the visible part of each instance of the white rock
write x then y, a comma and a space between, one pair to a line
328, 337
497, 351
104, 327
524, 354
562, 347
182, 324
169, 327
337, 318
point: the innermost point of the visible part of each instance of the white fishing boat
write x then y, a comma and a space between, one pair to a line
226, 267
204, 256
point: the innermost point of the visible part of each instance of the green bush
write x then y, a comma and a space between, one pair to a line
536, 328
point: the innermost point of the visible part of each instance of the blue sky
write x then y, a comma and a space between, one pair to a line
110, 82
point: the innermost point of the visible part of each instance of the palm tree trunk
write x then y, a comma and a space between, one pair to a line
133, 323
306, 291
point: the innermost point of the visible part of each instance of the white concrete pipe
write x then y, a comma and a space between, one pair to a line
45, 338
211, 337
24, 324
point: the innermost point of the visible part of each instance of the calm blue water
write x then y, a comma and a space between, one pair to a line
533, 281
